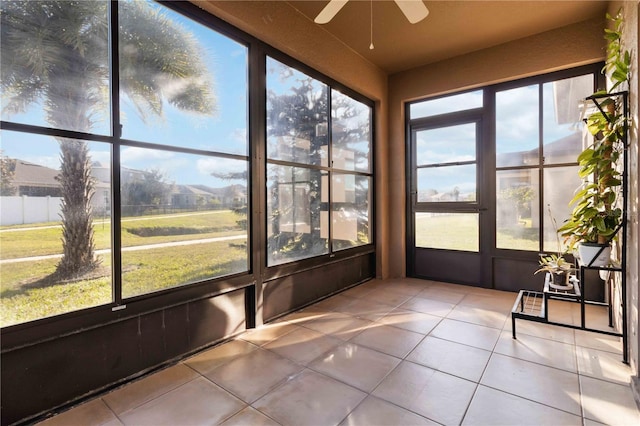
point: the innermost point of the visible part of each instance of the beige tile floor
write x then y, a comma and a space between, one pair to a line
394, 352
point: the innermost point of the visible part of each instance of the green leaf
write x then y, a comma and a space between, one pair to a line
586, 154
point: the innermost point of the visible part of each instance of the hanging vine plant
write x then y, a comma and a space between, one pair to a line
597, 216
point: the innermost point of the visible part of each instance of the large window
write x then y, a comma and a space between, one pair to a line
319, 168
539, 134
179, 153
126, 165
491, 174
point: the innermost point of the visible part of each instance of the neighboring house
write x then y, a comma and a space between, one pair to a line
229, 196
35, 180
188, 196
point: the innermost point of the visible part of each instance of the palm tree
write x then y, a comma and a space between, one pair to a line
56, 53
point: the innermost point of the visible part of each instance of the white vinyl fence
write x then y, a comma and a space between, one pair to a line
22, 210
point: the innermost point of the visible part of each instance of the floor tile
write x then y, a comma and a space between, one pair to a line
467, 333
541, 351
334, 302
197, 402
302, 345
603, 365
557, 388
339, 325
249, 417
453, 358
210, 359
499, 301
445, 355
589, 422
545, 331
599, 341
267, 333
390, 340
407, 286
387, 296
138, 392
251, 376
94, 412
305, 315
597, 317
493, 407
438, 396
608, 403
480, 316
428, 306
310, 399
367, 309
441, 294
376, 412
355, 365
411, 320
357, 292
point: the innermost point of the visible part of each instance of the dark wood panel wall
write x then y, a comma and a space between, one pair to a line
58, 372
63, 370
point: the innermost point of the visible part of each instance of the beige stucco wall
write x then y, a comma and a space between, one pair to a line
562, 48
286, 29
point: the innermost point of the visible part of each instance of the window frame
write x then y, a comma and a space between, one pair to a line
117, 309
289, 268
541, 166
488, 153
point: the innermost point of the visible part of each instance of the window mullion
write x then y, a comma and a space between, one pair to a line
116, 133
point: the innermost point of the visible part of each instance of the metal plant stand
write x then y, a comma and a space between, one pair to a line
534, 305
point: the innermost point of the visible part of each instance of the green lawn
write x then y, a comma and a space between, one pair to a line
451, 232
460, 232
23, 298
46, 238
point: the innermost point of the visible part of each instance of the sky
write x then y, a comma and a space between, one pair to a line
517, 130
227, 61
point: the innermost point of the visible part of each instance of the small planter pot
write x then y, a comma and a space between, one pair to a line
560, 281
589, 251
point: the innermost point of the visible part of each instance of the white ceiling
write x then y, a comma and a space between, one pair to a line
452, 28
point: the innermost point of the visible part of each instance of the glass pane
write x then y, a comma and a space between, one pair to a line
449, 231
46, 271
297, 110
560, 185
459, 102
450, 144
351, 133
55, 67
181, 83
184, 219
562, 102
351, 198
297, 226
517, 215
447, 183
517, 127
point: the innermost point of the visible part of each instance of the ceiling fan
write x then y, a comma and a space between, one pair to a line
414, 10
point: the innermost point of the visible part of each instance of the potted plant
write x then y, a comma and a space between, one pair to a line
596, 217
559, 271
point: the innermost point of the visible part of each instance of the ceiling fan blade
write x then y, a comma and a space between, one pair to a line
414, 10
329, 11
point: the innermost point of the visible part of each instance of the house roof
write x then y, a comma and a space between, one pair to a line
31, 174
